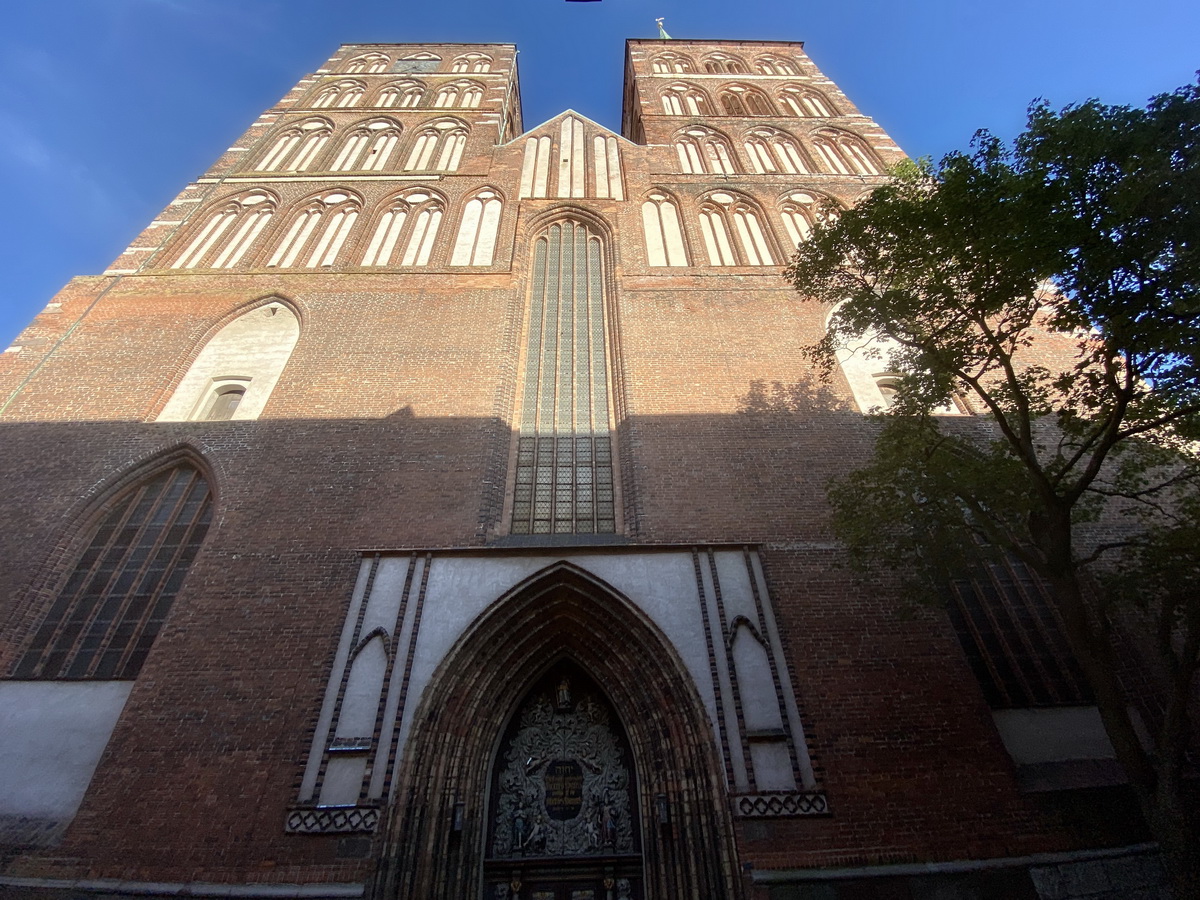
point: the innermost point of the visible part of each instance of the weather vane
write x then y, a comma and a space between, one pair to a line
662, 32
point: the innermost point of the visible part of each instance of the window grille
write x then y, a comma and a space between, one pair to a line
116, 599
564, 479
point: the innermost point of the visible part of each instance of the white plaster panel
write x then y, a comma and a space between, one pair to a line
401, 647
386, 593
1053, 735
343, 780
52, 734
733, 732
735, 586
772, 766
363, 689
756, 687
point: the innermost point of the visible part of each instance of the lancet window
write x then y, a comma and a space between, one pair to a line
464, 94
472, 62
295, 149
704, 151
342, 95
438, 147
738, 100
775, 65
476, 241
770, 150
406, 231
368, 62
665, 245
734, 231
720, 64
564, 474
686, 99
317, 232
117, 596
799, 211
670, 62
402, 94
846, 154
369, 147
806, 102
228, 232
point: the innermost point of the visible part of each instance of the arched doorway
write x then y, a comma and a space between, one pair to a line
442, 831
563, 819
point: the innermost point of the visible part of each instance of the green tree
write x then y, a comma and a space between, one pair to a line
1054, 284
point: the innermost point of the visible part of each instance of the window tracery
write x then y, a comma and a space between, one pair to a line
463, 94
438, 147
472, 62
721, 64
401, 94
704, 151
775, 65
734, 231
739, 100
846, 154
295, 149
663, 230
228, 232
408, 227
671, 62
686, 99
369, 147
800, 210
476, 241
342, 95
312, 243
368, 62
806, 102
771, 150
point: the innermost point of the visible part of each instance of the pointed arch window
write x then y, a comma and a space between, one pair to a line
342, 95
564, 474
463, 94
369, 147
846, 154
228, 232
686, 100
775, 65
734, 231
317, 232
806, 102
472, 62
125, 579
720, 64
800, 211
664, 232
438, 147
770, 150
297, 146
704, 151
406, 231
368, 62
401, 94
670, 62
476, 241
738, 100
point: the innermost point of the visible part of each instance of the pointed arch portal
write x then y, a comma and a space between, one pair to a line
625, 794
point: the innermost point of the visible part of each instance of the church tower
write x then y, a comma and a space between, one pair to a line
431, 505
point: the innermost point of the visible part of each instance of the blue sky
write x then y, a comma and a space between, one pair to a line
108, 107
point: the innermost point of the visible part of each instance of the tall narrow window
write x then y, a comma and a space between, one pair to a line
438, 146
406, 231
476, 242
472, 62
685, 99
704, 151
564, 478
317, 232
734, 233
799, 211
720, 64
846, 154
664, 233
369, 62
535, 172
806, 102
296, 147
670, 62
342, 95
738, 100
775, 65
403, 94
464, 94
368, 148
228, 232
116, 599
771, 150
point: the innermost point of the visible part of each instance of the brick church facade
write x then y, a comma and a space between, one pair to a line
428, 505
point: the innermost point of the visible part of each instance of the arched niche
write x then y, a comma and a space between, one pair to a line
438, 830
244, 357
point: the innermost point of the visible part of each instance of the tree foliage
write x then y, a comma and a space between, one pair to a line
1054, 285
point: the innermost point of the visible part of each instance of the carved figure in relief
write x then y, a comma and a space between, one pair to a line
537, 835
623, 889
563, 695
608, 824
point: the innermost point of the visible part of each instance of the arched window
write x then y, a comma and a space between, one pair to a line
564, 471
342, 95
775, 65
770, 150
739, 100
670, 62
806, 102
368, 62
113, 604
476, 241
472, 62
721, 64
846, 154
704, 151
317, 232
228, 232
664, 233
406, 229
463, 94
686, 99
403, 94
734, 231
438, 147
800, 211
295, 148
369, 147
235, 372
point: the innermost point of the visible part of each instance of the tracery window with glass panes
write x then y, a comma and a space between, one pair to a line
564, 479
